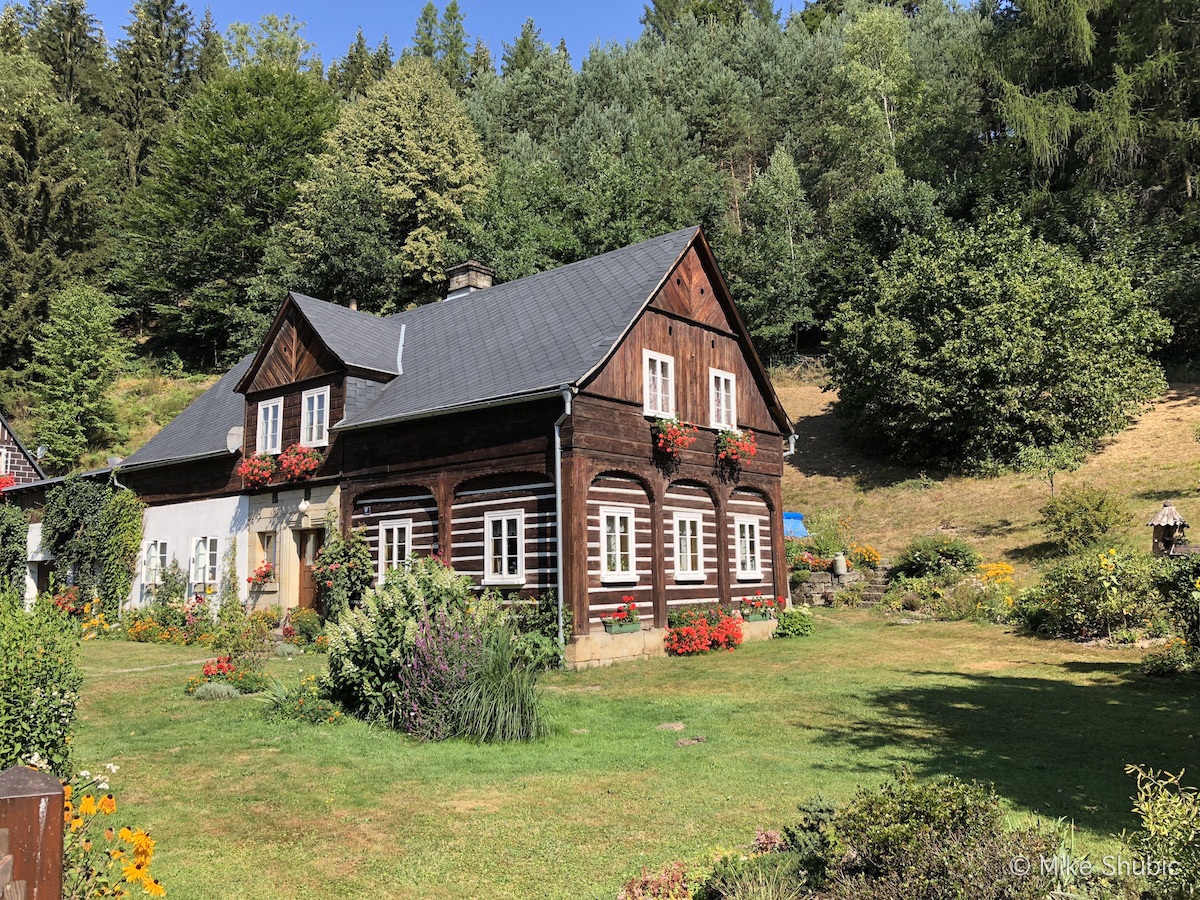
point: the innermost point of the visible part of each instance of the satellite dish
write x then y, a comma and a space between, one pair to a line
41, 452
235, 438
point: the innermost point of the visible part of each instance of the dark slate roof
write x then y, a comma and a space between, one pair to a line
524, 337
342, 329
201, 429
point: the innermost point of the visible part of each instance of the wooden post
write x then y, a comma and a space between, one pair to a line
31, 823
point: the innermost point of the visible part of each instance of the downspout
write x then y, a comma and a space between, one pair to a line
791, 444
568, 394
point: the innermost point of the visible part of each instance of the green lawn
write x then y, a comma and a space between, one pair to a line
243, 808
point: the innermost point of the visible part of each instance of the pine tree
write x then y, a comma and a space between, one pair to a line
425, 38
453, 61
351, 75
480, 65
77, 357
68, 40
51, 207
522, 53
139, 105
383, 59
211, 60
12, 30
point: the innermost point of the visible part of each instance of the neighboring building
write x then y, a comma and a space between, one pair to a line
473, 428
15, 461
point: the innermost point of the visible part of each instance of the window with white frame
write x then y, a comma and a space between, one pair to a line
395, 545
722, 399
3, 461
314, 418
749, 564
658, 384
689, 547
156, 562
504, 547
204, 564
270, 416
618, 556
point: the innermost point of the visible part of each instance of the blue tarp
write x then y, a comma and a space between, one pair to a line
793, 525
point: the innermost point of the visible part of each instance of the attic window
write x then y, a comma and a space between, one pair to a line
314, 418
270, 412
658, 384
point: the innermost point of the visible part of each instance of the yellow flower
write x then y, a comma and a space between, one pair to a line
109, 834
117, 854
126, 834
76, 823
135, 873
87, 806
108, 805
87, 845
155, 889
143, 844
68, 790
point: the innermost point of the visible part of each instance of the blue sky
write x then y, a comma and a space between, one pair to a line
331, 26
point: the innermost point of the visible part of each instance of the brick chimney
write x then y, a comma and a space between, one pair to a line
466, 277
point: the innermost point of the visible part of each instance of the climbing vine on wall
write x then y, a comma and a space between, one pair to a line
14, 534
71, 531
119, 540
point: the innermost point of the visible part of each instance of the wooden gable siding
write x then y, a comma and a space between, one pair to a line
16, 463
695, 349
295, 354
688, 293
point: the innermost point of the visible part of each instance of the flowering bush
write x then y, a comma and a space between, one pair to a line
181, 622
256, 471
264, 574
1175, 657
698, 632
996, 573
814, 563
343, 572
67, 600
794, 622
98, 859
304, 702
304, 625
671, 883
672, 436
624, 614
864, 556
735, 446
224, 671
758, 605
98, 626
300, 463
7, 481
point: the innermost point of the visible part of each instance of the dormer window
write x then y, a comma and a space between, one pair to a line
658, 384
314, 420
270, 414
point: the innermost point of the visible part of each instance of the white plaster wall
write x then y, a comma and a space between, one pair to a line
179, 524
34, 555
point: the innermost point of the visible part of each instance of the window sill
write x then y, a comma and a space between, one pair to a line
514, 581
265, 588
619, 578
750, 576
691, 577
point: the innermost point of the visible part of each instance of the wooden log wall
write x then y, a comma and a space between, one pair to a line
533, 496
747, 503
604, 598
413, 504
691, 499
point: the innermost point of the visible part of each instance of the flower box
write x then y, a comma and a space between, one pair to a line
622, 627
756, 617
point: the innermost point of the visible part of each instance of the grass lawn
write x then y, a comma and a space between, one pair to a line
244, 808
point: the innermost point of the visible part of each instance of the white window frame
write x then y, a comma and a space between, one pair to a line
321, 439
715, 390
650, 403
3, 460
618, 576
155, 561
685, 573
206, 572
747, 574
516, 579
263, 444
384, 528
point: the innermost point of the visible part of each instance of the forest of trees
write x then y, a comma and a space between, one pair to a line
170, 187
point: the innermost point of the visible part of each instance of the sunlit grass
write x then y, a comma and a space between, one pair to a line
246, 808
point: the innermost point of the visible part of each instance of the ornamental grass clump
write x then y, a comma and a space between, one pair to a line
500, 702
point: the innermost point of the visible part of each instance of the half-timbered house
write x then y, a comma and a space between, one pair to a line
508, 428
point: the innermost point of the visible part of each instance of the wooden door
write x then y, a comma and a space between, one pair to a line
308, 544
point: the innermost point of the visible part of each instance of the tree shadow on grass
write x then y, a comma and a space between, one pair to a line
1034, 553
1051, 746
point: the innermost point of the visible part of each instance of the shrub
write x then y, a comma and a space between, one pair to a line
828, 534
286, 650
272, 616
343, 571
794, 622
864, 556
936, 554
216, 690
445, 653
246, 641
950, 598
670, 883
1180, 587
1175, 657
851, 595
39, 685
1082, 516
500, 701
536, 623
758, 876
1093, 594
1170, 830
305, 703
224, 670
14, 538
306, 625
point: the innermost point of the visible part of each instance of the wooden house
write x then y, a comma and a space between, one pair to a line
508, 428
17, 464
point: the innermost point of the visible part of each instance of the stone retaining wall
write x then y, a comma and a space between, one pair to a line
821, 586
602, 649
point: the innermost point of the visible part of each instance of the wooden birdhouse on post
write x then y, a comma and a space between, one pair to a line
1168, 537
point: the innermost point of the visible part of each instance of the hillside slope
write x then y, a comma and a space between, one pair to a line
1157, 458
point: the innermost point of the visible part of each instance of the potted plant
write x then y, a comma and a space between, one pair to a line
759, 608
300, 463
671, 436
734, 447
625, 620
256, 471
264, 574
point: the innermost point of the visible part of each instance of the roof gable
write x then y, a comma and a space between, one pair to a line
10, 441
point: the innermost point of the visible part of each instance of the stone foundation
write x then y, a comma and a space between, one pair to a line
821, 586
600, 648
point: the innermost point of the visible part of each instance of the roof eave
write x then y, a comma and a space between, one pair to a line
506, 400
